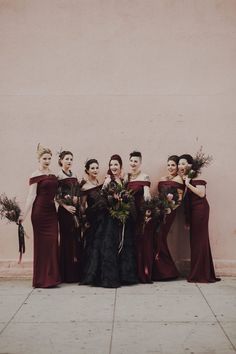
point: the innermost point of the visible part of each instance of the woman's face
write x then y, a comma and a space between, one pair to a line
67, 162
45, 160
183, 167
135, 163
115, 167
93, 170
172, 168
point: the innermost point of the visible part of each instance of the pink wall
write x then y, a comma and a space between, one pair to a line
100, 77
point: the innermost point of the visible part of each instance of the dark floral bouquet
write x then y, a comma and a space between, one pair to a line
200, 160
120, 204
10, 210
169, 199
69, 197
159, 206
120, 201
150, 210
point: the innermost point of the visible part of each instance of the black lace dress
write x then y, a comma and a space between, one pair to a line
107, 265
91, 253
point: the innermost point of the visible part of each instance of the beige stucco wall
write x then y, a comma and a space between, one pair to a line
108, 76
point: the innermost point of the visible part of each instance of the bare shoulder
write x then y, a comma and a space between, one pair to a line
60, 175
107, 180
85, 186
178, 179
36, 174
126, 177
145, 177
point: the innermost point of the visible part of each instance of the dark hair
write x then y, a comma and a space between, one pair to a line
174, 158
187, 157
88, 163
117, 158
62, 155
135, 154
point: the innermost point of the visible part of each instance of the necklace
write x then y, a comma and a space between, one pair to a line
94, 183
134, 175
170, 177
68, 174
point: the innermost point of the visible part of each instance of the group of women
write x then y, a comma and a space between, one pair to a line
82, 242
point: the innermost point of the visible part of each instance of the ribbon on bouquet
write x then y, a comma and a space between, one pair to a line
21, 240
121, 244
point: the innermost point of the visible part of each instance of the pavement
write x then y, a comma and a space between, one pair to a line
165, 317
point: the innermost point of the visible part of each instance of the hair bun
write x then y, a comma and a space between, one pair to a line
42, 150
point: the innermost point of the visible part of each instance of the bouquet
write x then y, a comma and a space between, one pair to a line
159, 206
151, 210
120, 204
120, 201
200, 160
169, 200
69, 197
10, 210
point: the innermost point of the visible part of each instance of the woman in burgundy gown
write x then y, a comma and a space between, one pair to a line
164, 267
202, 268
43, 187
70, 245
143, 233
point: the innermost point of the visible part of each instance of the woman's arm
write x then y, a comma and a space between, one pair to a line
180, 197
83, 203
146, 189
106, 182
180, 194
199, 190
29, 201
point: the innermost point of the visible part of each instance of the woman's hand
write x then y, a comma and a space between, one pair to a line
168, 210
75, 200
187, 181
70, 208
21, 219
146, 194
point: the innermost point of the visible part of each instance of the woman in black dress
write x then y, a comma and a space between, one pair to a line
112, 261
118, 266
68, 199
90, 197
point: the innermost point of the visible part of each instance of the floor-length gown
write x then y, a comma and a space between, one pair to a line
127, 259
106, 266
92, 236
202, 268
70, 245
118, 263
164, 267
45, 227
143, 234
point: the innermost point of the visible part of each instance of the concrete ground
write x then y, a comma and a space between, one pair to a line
166, 317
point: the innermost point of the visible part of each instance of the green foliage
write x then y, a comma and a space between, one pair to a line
9, 208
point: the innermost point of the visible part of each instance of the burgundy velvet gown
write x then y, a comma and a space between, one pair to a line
202, 268
143, 234
45, 227
70, 246
164, 267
